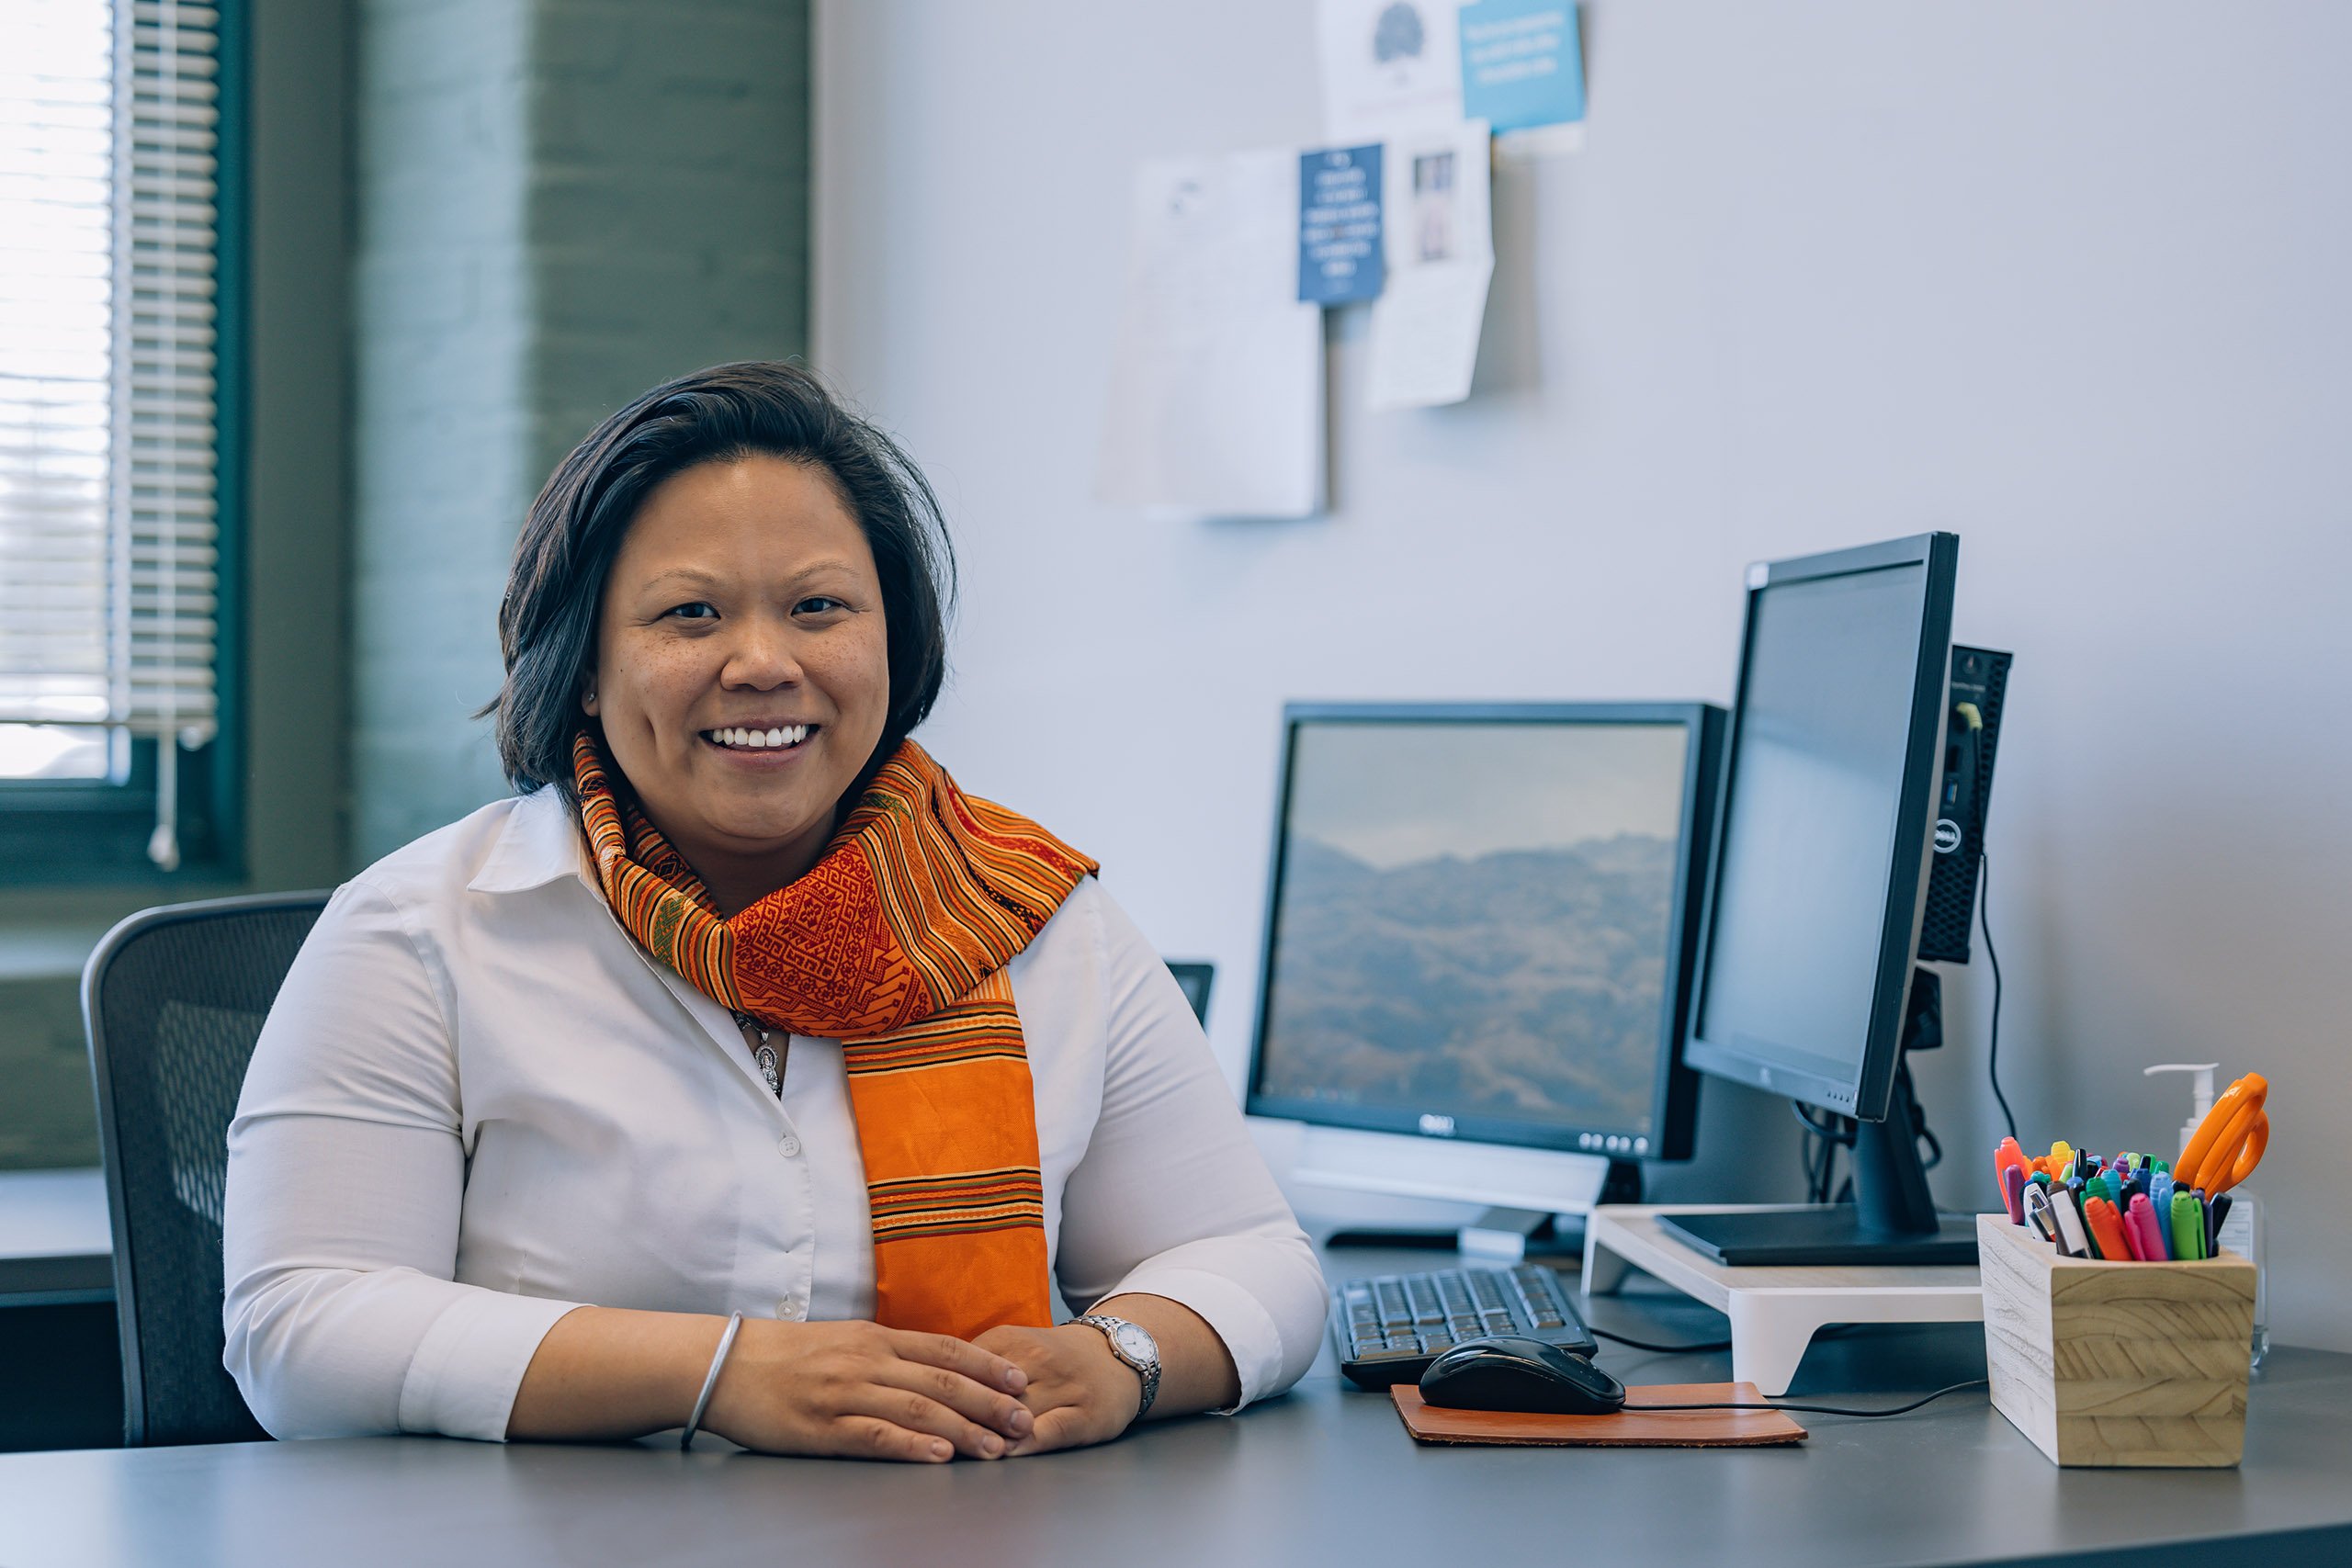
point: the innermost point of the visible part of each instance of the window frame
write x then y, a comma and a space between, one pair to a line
93, 832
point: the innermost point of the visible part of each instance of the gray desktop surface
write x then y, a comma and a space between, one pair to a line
56, 1242
1323, 1475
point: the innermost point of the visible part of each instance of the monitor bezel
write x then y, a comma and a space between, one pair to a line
1865, 1095
1674, 1088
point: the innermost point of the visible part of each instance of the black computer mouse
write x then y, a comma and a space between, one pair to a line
1508, 1371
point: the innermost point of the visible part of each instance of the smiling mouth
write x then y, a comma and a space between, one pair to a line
782, 738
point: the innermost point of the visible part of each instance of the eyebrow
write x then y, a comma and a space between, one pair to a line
696, 575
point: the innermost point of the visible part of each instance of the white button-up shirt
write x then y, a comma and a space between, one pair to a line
478, 1103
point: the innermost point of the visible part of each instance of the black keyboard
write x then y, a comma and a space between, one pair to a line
1391, 1327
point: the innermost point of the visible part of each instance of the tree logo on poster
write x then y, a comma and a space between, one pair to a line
1398, 34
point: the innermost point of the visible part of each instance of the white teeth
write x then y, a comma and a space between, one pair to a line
759, 740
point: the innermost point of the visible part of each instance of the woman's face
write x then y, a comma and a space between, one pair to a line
742, 668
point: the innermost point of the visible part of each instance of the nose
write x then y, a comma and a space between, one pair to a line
760, 656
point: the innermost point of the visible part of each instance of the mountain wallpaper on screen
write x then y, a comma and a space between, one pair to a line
1523, 982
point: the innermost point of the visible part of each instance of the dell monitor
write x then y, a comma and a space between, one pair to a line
1478, 935
1819, 876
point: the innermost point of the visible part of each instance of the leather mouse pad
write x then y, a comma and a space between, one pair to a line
1632, 1427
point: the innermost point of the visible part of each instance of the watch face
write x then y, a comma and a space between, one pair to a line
1135, 1341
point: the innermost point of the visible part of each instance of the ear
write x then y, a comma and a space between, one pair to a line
588, 702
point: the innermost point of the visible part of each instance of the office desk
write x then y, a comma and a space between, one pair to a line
1326, 1476
56, 1241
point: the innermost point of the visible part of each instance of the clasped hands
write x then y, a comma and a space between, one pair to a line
864, 1391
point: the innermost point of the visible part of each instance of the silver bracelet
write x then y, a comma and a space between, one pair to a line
711, 1379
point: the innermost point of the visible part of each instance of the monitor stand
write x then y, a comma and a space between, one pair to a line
1891, 1221
1502, 1235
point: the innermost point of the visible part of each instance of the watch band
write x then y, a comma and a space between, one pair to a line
1145, 1367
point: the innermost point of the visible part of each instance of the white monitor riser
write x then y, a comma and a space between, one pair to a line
1776, 1311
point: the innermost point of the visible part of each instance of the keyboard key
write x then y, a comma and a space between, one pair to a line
1396, 1319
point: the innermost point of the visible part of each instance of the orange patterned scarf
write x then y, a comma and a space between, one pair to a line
894, 944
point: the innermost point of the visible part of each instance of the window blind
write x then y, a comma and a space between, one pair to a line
56, 228
109, 134
163, 517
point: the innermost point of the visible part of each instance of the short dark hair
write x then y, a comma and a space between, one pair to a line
546, 622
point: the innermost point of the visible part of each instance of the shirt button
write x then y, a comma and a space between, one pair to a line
789, 1146
789, 1310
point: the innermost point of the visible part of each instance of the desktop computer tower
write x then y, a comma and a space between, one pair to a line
1980, 678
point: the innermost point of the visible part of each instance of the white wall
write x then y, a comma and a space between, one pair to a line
2069, 279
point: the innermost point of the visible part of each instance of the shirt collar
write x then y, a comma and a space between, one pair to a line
541, 844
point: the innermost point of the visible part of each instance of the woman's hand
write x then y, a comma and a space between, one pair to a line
1079, 1392
858, 1390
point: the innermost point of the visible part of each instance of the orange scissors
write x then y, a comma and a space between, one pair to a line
2230, 1141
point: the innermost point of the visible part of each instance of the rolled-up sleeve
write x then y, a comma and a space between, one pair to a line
1172, 1197
346, 1183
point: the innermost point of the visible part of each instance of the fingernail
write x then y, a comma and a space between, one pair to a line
991, 1444
1020, 1422
939, 1449
1015, 1379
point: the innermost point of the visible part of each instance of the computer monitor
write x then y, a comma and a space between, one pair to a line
1479, 928
1195, 978
1819, 876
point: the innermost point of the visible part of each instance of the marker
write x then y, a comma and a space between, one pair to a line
2072, 1239
2147, 1238
2013, 1185
2037, 1213
2187, 1227
2215, 1212
2008, 1157
2107, 1229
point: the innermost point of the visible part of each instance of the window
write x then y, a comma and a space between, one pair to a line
116, 503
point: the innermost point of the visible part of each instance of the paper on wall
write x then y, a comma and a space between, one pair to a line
1341, 258
1216, 403
1389, 66
1424, 337
1522, 73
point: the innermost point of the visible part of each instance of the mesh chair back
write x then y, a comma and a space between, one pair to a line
173, 1000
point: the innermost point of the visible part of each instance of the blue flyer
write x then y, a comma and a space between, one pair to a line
1523, 64
1339, 258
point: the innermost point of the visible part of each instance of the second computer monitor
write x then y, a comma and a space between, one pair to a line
1480, 922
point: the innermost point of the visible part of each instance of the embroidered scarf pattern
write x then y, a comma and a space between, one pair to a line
894, 944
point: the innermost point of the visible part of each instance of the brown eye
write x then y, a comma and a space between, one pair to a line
818, 604
697, 610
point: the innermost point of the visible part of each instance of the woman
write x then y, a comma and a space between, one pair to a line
742, 1007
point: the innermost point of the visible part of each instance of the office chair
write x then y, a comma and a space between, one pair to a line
173, 1000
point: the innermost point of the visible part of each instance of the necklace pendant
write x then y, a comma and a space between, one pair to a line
765, 1056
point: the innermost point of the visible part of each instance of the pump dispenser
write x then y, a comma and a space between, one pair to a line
2241, 1230
2204, 1091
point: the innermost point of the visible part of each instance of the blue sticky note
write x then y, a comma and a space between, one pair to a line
1340, 258
1522, 64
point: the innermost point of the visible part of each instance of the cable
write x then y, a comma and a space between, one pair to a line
1984, 918
1826, 1409
1819, 1152
1830, 1331
1630, 1341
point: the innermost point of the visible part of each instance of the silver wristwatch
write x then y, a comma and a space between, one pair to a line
1133, 1344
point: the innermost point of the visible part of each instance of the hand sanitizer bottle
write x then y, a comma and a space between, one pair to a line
2242, 1227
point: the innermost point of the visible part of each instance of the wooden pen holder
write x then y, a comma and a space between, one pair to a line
2117, 1363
